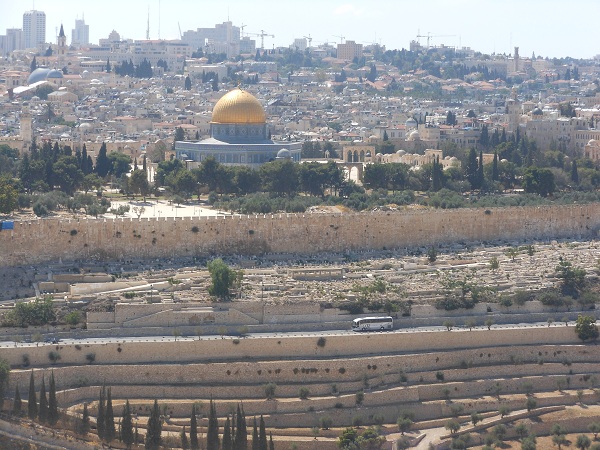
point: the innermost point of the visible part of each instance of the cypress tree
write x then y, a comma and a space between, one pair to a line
241, 434
154, 428
574, 173
136, 435
52, 403
84, 156
85, 420
212, 434
184, 441
472, 168
271, 443
495, 167
17, 404
226, 445
109, 424
43, 411
254, 435
101, 419
32, 408
194, 430
144, 165
127, 426
102, 162
480, 176
233, 431
262, 435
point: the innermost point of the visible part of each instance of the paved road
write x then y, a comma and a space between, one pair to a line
108, 340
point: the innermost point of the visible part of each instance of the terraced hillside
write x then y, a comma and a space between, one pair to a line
340, 381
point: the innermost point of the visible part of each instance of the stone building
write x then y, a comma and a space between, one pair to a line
239, 135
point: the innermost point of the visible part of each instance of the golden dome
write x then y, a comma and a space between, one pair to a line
238, 106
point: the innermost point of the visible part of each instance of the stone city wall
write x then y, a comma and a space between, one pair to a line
39, 241
347, 345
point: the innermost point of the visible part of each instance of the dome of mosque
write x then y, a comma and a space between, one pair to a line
38, 74
238, 106
537, 112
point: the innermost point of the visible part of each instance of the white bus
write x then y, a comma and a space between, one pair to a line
373, 324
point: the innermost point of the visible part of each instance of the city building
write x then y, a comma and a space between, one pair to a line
80, 35
34, 29
349, 51
11, 41
239, 135
223, 38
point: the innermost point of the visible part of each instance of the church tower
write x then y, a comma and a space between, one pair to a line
61, 51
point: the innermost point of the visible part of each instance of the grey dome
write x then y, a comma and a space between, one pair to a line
284, 153
54, 73
39, 74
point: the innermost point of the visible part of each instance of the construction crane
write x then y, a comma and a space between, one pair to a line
180, 35
341, 38
242, 26
429, 36
262, 35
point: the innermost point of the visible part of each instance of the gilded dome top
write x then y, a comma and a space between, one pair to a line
238, 106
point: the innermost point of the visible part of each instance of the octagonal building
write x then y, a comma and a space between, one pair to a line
239, 135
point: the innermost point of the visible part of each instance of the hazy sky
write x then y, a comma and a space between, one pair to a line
546, 27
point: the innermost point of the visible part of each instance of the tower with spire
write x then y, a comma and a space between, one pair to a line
61, 42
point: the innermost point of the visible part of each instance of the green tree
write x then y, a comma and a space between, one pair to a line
9, 197
85, 420
212, 434
586, 328
241, 433
188, 83
262, 435
153, 429
179, 136
103, 164
4, 376
559, 440
17, 403
32, 407
119, 164
109, 426
101, 417
583, 442
138, 183
404, 424
452, 425
280, 177
43, 410
184, 440
223, 278
52, 403
127, 426
254, 435
347, 439
472, 169
227, 438
573, 278
194, 445
539, 181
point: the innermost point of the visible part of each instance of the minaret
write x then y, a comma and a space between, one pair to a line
26, 127
61, 51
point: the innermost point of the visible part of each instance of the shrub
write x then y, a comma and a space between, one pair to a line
359, 397
53, 357
303, 393
586, 328
378, 419
357, 421
270, 390
531, 404
73, 318
326, 422
321, 342
439, 376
